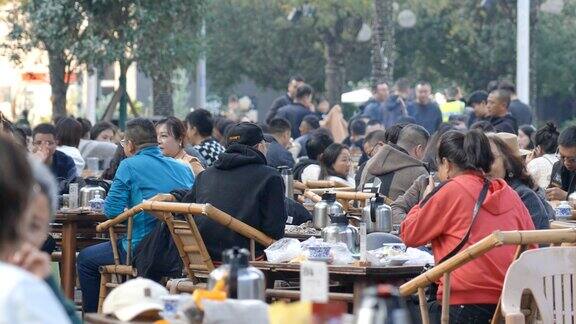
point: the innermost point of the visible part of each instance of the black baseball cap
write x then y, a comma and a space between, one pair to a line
245, 133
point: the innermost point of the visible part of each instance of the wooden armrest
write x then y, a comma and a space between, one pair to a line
299, 185
323, 184
133, 211
465, 256
312, 196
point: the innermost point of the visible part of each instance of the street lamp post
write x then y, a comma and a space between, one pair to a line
523, 51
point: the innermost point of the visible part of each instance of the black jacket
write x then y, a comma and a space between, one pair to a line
536, 205
278, 103
278, 155
294, 113
506, 124
521, 112
563, 178
242, 185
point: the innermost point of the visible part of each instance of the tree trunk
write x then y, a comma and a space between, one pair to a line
57, 66
383, 42
162, 90
334, 68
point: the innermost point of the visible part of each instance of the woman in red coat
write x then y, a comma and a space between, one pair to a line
444, 217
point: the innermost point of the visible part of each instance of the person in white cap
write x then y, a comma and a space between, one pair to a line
137, 298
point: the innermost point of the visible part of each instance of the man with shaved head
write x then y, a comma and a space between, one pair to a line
497, 104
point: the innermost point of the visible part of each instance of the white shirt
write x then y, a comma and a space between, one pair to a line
27, 299
541, 169
311, 173
74, 153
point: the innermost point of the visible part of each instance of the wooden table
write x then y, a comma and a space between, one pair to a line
71, 221
358, 277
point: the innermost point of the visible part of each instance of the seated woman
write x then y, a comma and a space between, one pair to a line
68, 133
445, 215
508, 165
103, 132
171, 133
335, 164
543, 157
24, 296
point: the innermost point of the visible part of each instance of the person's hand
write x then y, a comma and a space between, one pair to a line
556, 194
41, 154
530, 156
32, 260
431, 185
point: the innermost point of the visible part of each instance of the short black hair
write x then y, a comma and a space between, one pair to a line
316, 144
477, 97
304, 90
402, 84
141, 131
376, 84
358, 127
279, 126
296, 77
568, 137
424, 83
503, 96
69, 132
44, 128
413, 135
86, 125
508, 86
100, 127
451, 92
376, 136
373, 122
312, 120
484, 126
175, 127
547, 138
202, 120
223, 124
492, 85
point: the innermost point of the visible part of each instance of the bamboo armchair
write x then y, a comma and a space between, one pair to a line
523, 239
187, 238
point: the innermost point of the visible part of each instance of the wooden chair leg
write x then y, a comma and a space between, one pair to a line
423, 306
105, 278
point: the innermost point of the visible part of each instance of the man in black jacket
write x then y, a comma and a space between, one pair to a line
285, 99
563, 181
242, 185
500, 118
296, 112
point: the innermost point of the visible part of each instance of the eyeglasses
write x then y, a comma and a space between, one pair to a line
566, 159
39, 143
123, 142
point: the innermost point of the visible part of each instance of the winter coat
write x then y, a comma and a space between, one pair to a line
396, 170
444, 217
243, 186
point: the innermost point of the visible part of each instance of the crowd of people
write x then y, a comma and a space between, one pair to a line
435, 161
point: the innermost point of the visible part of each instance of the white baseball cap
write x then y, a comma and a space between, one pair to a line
134, 297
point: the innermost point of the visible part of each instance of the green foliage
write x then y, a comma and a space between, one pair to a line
58, 26
556, 48
253, 38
